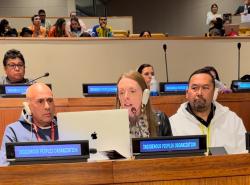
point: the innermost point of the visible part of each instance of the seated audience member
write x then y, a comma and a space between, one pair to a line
11, 33
44, 22
217, 29
212, 15
102, 30
146, 34
201, 115
147, 71
144, 122
219, 86
75, 28
4, 27
82, 26
14, 67
36, 28
26, 32
245, 77
243, 9
58, 30
85, 34
36, 124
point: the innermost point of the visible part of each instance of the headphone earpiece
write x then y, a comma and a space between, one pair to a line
145, 97
26, 108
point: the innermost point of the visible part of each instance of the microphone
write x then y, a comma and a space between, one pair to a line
239, 46
166, 62
164, 47
133, 110
45, 75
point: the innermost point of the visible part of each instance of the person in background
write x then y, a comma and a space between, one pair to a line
219, 86
217, 29
37, 121
26, 32
4, 27
144, 122
200, 115
243, 9
36, 28
81, 26
75, 28
58, 30
44, 22
146, 34
147, 71
212, 15
102, 30
14, 67
11, 33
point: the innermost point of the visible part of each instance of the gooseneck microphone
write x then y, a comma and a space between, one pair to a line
133, 110
239, 46
45, 75
166, 62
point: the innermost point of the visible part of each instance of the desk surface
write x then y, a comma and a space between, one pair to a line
228, 170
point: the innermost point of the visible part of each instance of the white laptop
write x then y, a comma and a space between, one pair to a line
105, 129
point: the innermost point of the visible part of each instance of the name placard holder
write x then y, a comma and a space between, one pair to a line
172, 88
171, 146
47, 152
240, 86
101, 89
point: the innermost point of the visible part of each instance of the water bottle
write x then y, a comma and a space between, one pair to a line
245, 9
154, 87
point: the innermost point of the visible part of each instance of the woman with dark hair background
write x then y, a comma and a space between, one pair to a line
212, 15
147, 71
75, 27
4, 27
58, 30
146, 34
219, 86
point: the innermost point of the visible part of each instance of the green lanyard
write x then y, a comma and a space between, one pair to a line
206, 131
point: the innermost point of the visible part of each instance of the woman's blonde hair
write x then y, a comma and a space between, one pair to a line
148, 109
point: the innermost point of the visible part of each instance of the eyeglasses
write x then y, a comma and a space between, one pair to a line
14, 66
103, 19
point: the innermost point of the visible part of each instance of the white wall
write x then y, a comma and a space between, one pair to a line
28, 8
73, 62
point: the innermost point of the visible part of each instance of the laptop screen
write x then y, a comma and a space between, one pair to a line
33, 151
173, 87
105, 130
170, 145
99, 89
240, 85
16, 89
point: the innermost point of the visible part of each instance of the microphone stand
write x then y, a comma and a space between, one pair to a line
30, 82
166, 62
239, 46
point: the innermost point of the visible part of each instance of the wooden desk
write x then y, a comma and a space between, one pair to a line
57, 174
228, 170
211, 170
10, 109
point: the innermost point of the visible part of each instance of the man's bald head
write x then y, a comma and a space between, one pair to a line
41, 103
36, 89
